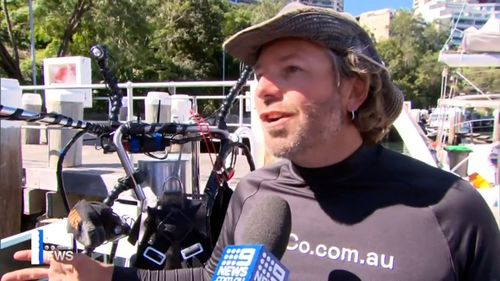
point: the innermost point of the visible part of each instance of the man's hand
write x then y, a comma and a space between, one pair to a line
80, 267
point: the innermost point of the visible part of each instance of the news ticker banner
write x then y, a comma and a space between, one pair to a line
249, 263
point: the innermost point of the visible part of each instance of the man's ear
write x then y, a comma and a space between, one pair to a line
359, 91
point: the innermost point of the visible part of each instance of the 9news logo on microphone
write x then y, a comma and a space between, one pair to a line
57, 243
249, 263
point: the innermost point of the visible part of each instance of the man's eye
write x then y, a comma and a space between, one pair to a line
293, 69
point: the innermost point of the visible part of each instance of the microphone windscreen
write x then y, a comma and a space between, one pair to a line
269, 224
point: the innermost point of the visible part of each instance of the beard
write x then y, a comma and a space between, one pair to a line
319, 124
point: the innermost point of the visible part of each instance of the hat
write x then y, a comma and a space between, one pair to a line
334, 30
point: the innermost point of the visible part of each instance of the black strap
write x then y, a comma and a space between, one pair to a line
175, 224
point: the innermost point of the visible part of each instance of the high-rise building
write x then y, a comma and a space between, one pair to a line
377, 22
419, 3
485, 1
337, 5
458, 14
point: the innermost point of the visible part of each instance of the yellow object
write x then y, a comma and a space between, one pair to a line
478, 181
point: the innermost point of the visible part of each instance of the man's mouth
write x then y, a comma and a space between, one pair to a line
275, 117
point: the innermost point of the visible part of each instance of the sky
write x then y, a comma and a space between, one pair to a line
356, 7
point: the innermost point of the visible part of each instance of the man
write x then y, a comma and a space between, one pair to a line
359, 211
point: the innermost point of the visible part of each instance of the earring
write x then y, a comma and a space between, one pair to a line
353, 114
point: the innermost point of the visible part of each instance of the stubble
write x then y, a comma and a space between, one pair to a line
320, 123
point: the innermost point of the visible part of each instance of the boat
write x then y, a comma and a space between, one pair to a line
461, 134
470, 122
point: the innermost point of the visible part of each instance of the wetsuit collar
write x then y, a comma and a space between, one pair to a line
353, 166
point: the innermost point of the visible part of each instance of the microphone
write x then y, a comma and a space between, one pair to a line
265, 238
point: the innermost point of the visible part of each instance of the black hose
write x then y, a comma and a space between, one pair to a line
60, 160
100, 54
233, 92
246, 152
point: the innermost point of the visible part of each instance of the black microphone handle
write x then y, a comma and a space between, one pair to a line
269, 223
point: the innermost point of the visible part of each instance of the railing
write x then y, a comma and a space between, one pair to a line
171, 86
241, 128
478, 125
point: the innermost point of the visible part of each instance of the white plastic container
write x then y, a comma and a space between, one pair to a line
181, 108
10, 95
157, 102
123, 109
181, 112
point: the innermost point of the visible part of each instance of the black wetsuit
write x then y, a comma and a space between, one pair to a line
377, 215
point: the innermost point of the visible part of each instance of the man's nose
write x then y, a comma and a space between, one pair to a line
267, 89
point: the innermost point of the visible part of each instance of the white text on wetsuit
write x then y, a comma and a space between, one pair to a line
340, 253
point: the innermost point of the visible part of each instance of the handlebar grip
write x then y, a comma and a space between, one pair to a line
19, 114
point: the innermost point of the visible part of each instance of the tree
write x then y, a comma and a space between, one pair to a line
236, 18
9, 64
125, 28
266, 9
9, 53
57, 21
81, 7
486, 79
411, 56
188, 38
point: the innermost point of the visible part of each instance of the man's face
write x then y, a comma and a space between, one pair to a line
297, 98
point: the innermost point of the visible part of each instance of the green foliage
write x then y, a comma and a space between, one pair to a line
188, 38
486, 79
124, 28
18, 12
411, 56
166, 40
266, 9
236, 18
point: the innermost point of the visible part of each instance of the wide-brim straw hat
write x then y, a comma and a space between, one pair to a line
334, 30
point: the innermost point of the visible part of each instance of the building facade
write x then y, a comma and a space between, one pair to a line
337, 5
419, 3
377, 22
458, 15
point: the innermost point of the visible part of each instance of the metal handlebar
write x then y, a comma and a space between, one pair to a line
12, 113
